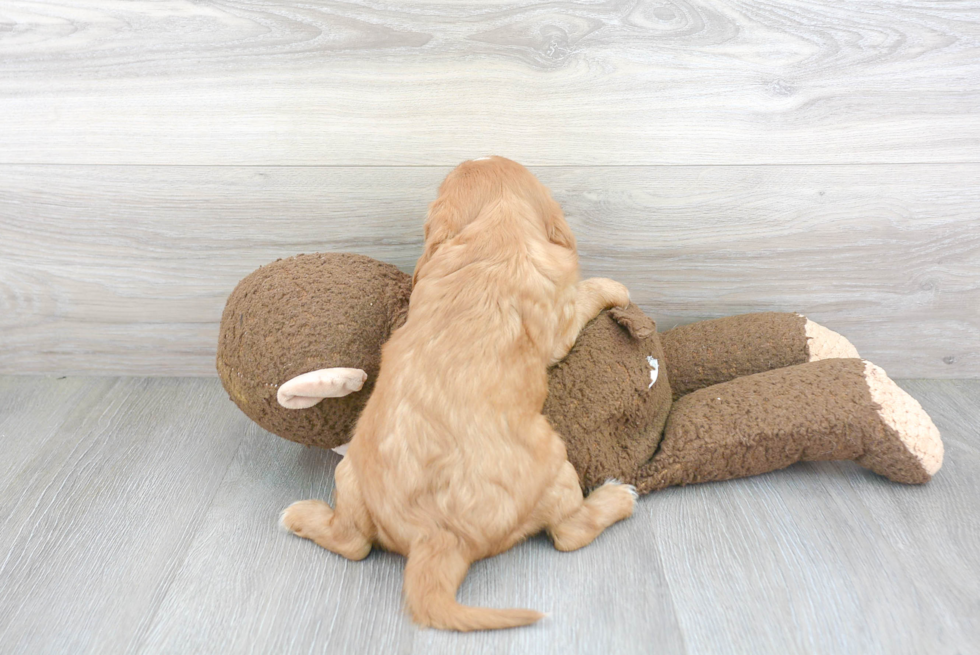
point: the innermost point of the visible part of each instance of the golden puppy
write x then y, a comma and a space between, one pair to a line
452, 460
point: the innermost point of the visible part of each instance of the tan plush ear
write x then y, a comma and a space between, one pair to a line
308, 389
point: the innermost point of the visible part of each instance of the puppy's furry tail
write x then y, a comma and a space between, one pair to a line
436, 567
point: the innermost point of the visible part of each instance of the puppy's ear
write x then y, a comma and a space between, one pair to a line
443, 222
558, 231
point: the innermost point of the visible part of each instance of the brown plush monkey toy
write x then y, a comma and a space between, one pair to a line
300, 347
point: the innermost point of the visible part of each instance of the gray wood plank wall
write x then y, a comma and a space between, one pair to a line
718, 157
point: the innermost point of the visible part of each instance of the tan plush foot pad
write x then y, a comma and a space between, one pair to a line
911, 450
822, 343
834, 409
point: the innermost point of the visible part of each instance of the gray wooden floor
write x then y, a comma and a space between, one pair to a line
139, 515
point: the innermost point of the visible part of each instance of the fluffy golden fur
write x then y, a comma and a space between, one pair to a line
451, 460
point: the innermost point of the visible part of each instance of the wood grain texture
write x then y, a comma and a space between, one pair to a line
300, 598
917, 525
125, 270
244, 570
129, 527
99, 509
829, 558
563, 83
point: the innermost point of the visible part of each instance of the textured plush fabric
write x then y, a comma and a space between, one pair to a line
600, 398
306, 313
758, 423
336, 310
709, 352
321, 311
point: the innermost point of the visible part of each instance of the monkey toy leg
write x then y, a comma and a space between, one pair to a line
833, 409
709, 352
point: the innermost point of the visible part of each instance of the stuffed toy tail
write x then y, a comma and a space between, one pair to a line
436, 567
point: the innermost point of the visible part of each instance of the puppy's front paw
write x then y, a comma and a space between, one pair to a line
306, 518
614, 293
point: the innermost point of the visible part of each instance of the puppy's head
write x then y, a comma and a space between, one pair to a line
473, 185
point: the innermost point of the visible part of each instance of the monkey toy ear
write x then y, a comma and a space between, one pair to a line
307, 328
308, 389
634, 321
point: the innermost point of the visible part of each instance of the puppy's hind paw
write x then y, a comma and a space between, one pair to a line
306, 517
630, 488
615, 498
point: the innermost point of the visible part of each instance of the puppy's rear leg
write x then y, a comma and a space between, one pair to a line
577, 520
343, 530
